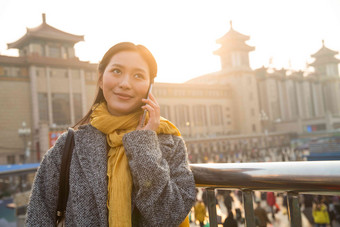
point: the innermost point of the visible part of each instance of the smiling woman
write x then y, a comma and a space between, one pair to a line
122, 173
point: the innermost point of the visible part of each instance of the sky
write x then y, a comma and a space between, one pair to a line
182, 34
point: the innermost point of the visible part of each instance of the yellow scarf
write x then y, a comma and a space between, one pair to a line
118, 170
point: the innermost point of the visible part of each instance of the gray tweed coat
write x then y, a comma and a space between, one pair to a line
163, 185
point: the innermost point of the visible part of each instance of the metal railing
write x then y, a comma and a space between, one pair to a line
317, 177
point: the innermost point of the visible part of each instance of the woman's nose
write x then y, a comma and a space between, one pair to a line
125, 82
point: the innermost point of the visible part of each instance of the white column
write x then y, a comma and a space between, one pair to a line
49, 96
70, 89
83, 92
34, 97
207, 118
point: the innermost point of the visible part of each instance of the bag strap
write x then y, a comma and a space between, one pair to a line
64, 175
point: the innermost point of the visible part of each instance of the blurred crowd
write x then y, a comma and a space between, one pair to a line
269, 209
275, 154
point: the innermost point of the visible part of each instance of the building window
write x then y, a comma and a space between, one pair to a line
22, 159
43, 107
200, 115
90, 76
61, 109
23, 71
54, 52
254, 127
16, 71
11, 159
77, 106
165, 111
331, 70
36, 49
216, 117
235, 59
182, 115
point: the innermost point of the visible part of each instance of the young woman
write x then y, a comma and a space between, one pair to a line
123, 172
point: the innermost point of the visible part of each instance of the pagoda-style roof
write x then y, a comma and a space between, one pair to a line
324, 51
232, 35
45, 32
324, 56
233, 41
324, 61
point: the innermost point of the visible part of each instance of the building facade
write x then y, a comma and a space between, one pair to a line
49, 89
299, 101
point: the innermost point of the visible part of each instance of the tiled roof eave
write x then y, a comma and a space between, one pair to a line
45, 31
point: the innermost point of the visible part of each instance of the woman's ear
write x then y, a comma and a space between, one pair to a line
100, 81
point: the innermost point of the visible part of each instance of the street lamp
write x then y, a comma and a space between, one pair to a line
25, 132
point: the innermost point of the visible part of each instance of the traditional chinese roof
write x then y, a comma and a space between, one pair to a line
232, 34
45, 32
324, 56
324, 51
233, 41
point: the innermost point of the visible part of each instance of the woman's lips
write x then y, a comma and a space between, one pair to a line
123, 96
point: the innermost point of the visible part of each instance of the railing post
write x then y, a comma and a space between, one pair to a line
248, 208
212, 207
294, 209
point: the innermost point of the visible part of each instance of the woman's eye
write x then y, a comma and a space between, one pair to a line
139, 76
117, 71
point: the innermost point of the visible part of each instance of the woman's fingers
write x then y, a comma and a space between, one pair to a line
154, 113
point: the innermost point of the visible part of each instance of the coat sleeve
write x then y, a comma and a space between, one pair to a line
42, 206
163, 180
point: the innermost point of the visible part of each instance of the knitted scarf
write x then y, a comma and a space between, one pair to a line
118, 170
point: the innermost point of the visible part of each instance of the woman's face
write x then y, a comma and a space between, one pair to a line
125, 82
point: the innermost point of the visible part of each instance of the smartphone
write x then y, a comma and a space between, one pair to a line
142, 122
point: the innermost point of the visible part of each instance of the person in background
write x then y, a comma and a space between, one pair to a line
320, 214
261, 215
230, 221
124, 171
271, 201
228, 200
200, 212
308, 208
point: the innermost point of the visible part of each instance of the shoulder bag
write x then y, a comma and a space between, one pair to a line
64, 178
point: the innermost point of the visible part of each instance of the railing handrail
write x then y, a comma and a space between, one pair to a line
306, 177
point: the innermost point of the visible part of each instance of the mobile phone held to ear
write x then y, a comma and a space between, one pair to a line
142, 122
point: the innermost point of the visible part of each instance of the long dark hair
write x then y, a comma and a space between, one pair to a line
124, 46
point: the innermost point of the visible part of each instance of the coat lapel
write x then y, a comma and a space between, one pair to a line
90, 148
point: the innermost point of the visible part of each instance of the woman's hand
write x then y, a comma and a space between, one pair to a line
154, 114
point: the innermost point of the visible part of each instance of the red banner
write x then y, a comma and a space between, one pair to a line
53, 136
